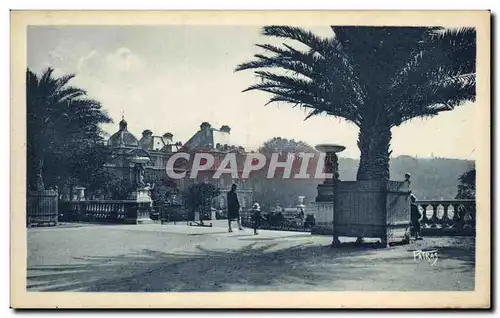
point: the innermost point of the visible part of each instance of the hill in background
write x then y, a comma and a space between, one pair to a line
432, 178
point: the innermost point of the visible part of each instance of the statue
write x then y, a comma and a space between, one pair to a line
331, 167
149, 188
139, 168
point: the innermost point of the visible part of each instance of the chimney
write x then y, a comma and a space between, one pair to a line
226, 129
168, 136
205, 126
147, 133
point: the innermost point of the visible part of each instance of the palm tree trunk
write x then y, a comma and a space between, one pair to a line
374, 141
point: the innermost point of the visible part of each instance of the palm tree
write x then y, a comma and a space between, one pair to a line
59, 119
375, 77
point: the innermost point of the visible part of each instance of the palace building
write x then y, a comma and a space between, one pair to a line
159, 149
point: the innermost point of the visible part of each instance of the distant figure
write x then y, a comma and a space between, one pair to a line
278, 208
280, 219
256, 217
233, 208
407, 178
301, 214
300, 217
415, 217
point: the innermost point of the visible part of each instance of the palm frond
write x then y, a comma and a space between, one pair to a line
440, 76
429, 100
314, 112
318, 77
320, 45
63, 80
69, 93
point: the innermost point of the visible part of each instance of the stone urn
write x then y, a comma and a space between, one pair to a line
78, 193
301, 201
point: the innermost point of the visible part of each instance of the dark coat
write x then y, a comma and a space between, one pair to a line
233, 205
415, 213
415, 217
256, 218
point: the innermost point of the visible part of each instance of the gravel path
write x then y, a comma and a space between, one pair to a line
160, 258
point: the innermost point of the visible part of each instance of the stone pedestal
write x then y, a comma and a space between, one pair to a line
326, 193
144, 205
323, 215
141, 194
323, 208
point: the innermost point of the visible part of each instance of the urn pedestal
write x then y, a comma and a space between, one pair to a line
323, 207
78, 193
144, 205
141, 194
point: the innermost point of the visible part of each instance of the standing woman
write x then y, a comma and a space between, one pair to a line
233, 208
415, 217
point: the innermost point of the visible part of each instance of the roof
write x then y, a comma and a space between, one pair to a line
153, 143
208, 138
123, 138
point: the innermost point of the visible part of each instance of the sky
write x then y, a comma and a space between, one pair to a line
173, 78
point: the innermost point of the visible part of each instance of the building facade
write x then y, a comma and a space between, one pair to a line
124, 145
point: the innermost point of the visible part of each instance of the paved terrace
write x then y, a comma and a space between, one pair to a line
179, 258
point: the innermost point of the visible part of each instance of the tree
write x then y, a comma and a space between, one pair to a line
161, 189
62, 130
467, 186
199, 195
283, 145
118, 188
374, 77
80, 162
280, 190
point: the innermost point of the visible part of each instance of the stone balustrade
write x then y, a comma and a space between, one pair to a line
439, 218
447, 217
102, 211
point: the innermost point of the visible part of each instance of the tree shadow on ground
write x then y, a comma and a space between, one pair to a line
253, 266
257, 266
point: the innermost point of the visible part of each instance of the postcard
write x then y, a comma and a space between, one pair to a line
219, 159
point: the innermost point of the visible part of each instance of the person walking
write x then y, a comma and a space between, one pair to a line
256, 217
233, 208
415, 218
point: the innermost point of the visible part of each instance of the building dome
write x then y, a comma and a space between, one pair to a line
123, 138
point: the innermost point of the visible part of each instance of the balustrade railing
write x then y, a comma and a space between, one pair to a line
441, 217
100, 211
